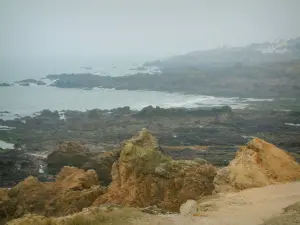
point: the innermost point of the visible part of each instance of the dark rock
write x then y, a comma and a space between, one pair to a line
75, 154
16, 165
150, 111
4, 85
26, 82
184, 75
178, 131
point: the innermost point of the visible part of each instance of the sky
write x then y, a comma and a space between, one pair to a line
140, 28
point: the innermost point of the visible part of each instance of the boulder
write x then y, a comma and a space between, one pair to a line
73, 190
257, 164
188, 208
71, 178
143, 176
72, 153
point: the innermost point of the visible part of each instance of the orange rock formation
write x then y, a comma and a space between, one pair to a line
143, 176
73, 190
258, 164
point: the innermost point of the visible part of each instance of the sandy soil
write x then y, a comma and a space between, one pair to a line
249, 207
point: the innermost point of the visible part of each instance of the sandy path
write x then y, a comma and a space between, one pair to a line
249, 207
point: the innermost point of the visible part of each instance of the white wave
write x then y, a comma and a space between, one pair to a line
207, 101
97, 88
6, 145
62, 116
8, 116
48, 81
41, 169
258, 99
6, 127
247, 137
39, 154
292, 124
96, 73
29, 84
282, 110
27, 101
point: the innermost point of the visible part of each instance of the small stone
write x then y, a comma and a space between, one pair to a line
188, 208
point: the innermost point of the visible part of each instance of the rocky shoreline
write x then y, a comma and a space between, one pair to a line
233, 80
225, 72
212, 134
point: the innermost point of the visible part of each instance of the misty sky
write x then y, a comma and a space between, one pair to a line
64, 28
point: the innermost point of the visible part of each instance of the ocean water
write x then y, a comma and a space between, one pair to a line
19, 101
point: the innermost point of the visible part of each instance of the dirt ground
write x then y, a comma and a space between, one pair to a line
248, 207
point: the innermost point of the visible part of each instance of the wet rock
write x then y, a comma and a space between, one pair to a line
16, 165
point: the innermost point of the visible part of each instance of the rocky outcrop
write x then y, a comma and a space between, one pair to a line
257, 164
150, 111
143, 176
16, 165
4, 85
72, 153
30, 81
73, 190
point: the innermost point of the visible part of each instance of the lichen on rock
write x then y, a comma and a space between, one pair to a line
143, 176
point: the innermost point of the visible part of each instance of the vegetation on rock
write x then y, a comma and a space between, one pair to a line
143, 176
96, 217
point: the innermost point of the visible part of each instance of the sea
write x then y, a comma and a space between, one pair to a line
18, 101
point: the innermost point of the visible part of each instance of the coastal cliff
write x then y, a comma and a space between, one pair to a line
146, 179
